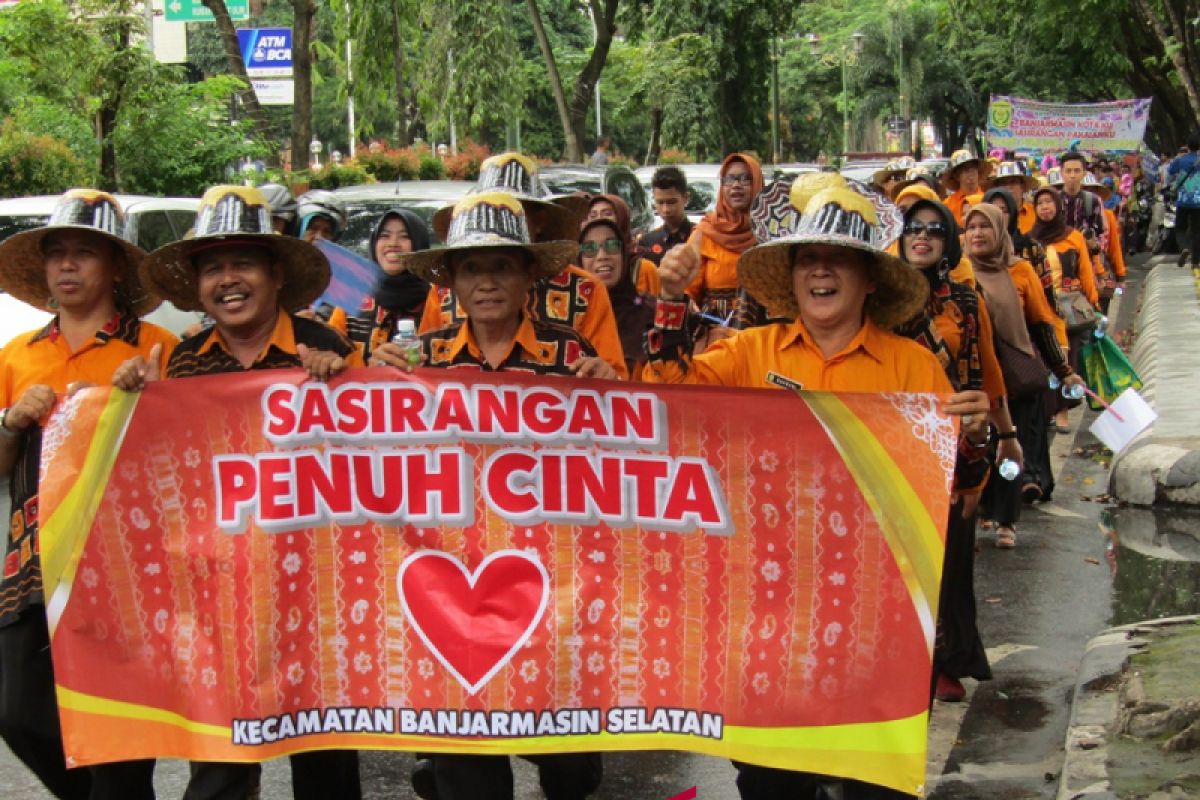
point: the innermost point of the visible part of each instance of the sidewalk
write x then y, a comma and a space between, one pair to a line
1162, 465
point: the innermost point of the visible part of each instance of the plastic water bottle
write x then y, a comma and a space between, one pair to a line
406, 337
1101, 327
1054, 382
1073, 392
1120, 290
1009, 469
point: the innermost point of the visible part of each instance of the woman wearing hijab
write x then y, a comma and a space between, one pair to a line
1023, 321
955, 327
643, 271
606, 251
724, 234
1024, 245
398, 294
1070, 265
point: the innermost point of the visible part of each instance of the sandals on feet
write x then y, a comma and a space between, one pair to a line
1006, 538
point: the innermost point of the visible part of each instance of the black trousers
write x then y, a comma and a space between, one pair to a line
29, 721
764, 783
319, 775
958, 651
570, 776
1187, 231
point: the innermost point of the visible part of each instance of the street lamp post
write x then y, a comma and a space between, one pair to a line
314, 148
845, 57
776, 142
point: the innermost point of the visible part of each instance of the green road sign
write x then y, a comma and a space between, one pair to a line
196, 11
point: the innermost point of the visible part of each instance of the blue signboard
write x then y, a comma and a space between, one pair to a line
266, 51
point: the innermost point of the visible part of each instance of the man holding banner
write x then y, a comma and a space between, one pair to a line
80, 267
492, 266
845, 294
250, 281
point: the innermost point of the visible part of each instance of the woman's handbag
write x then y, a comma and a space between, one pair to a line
1075, 309
1024, 374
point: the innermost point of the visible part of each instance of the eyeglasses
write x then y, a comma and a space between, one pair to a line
590, 248
737, 180
934, 230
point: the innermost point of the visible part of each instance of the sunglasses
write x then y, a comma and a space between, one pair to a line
592, 248
934, 230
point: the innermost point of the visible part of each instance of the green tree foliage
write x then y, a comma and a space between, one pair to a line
176, 139
37, 164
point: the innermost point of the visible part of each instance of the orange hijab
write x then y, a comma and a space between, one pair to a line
726, 227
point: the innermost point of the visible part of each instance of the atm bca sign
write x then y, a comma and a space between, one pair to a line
266, 52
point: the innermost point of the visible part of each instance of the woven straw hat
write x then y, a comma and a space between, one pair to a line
960, 159
491, 219
841, 218
233, 215
1054, 176
917, 174
516, 174
1008, 170
1092, 185
896, 168
23, 274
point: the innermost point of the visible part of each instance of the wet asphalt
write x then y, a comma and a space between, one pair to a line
1039, 605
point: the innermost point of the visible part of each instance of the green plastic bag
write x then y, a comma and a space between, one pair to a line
1107, 370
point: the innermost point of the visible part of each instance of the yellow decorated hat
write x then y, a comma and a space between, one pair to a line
517, 174
229, 215
837, 217
485, 220
960, 159
22, 261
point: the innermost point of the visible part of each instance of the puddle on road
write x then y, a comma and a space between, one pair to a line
1155, 556
1017, 706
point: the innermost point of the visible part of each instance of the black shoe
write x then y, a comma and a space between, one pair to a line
1184, 257
423, 781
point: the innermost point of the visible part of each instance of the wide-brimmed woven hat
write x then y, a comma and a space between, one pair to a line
491, 219
1008, 170
22, 262
232, 215
896, 168
841, 218
960, 159
1054, 176
1093, 185
516, 174
917, 174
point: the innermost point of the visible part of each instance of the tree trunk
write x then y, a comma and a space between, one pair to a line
303, 12
605, 19
572, 150
233, 55
106, 116
1173, 34
654, 151
402, 120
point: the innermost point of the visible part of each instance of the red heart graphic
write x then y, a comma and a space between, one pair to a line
473, 622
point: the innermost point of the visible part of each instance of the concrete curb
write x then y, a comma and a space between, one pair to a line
1095, 708
1162, 465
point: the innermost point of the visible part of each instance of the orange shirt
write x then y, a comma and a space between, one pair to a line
873, 361
1087, 277
955, 203
1026, 218
964, 273
949, 329
718, 269
1114, 251
648, 281
1033, 300
44, 357
574, 297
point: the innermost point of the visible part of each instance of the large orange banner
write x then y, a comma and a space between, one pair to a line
240, 567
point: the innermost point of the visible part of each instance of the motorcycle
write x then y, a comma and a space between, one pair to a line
1162, 226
